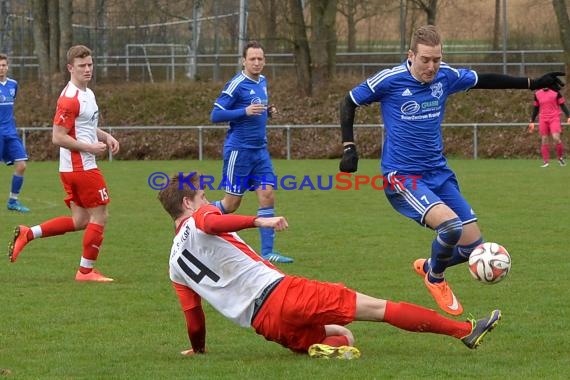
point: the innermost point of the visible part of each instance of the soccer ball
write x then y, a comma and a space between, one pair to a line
489, 263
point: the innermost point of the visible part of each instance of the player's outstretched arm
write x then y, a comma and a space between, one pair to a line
278, 223
548, 80
501, 81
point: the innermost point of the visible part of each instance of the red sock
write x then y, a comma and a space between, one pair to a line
55, 226
336, 340
92, 240
545, 150
559, 150
415, 318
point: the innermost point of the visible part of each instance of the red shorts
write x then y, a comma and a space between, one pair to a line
86, 189
188, 298
549, 126
296, 312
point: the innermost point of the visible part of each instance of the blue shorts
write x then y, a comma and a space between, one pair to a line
247, 169
12, 149
414, 195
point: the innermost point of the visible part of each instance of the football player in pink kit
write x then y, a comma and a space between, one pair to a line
547, 105
75, 131
209, 260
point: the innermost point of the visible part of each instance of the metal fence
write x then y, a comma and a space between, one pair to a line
170, 62
476, 127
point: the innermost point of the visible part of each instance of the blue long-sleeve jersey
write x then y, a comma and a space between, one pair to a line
412, 112
238, 93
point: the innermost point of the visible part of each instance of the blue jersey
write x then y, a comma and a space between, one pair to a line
245, 131
412, 112
8, 92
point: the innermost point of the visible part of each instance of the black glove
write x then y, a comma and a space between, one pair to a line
549, 80
349, 161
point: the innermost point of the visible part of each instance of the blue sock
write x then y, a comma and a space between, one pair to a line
219, 205
448, 234
17, 183
267, 235
461, 252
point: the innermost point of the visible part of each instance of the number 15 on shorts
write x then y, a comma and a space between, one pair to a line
103, 194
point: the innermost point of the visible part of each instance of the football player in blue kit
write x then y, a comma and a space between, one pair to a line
243, 103
12, 151
412, 99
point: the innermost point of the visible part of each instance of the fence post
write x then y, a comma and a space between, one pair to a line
288, 128
200, 152
24, 137
475, 142
109, 150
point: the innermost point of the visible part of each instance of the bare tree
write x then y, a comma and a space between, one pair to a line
41, 41
102, 34
66, 33
323, 41
497, 25
561, 10
51, 17
301, 49
429, 7
5, 27
270, 23
354, 11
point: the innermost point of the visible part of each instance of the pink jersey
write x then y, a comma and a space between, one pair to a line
77, 111
221, 268
549, 102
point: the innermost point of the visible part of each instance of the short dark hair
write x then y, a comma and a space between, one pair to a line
3, 57
252, 45
173, 194
425, 35
77, 51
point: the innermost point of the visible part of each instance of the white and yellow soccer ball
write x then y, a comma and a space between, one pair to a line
489, 263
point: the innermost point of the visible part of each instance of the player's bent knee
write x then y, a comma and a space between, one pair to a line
449, 232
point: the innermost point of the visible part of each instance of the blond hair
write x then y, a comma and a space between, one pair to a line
425, 35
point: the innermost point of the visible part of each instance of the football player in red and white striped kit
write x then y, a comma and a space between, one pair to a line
76, 132
209, 260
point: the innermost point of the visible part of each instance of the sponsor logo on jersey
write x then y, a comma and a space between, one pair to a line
407, 92
258, 100
410, 108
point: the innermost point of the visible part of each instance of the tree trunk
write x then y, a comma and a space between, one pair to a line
323, 41
66, 36
561, 10
270, 24
430, 8
351, 25
497, 25
54, 35
102, 37
301, 49
5, 27
41, 44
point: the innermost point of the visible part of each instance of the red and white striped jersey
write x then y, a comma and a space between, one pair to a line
221, 268
77, 111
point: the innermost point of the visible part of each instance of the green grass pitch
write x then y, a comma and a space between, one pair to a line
55, 328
